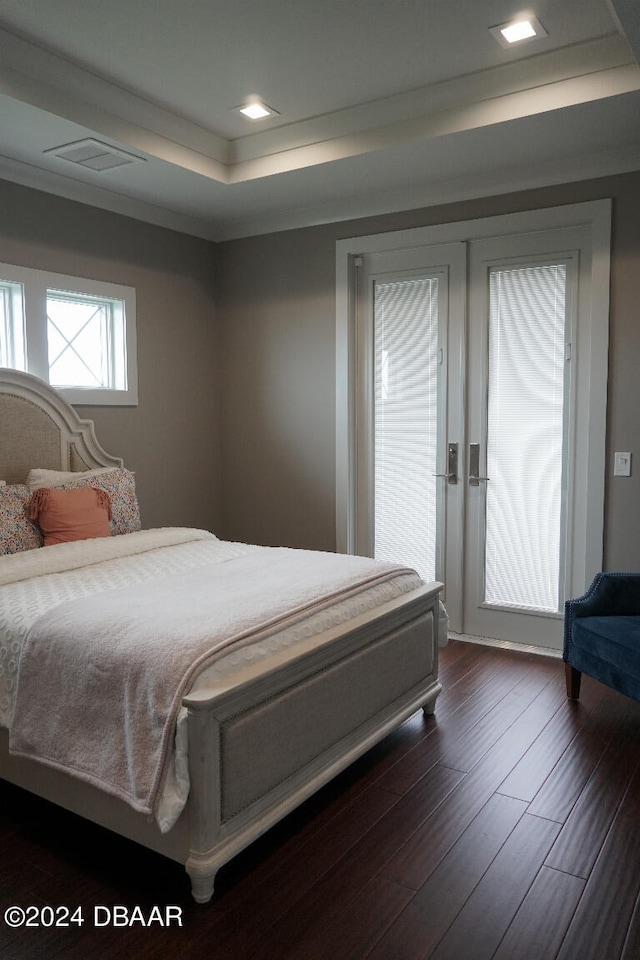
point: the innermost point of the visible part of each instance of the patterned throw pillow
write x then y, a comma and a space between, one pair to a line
120, 484
17, 533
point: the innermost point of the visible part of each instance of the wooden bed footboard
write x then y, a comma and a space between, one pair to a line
259, 745
262, 747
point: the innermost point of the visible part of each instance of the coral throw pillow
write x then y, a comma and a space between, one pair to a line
66, 515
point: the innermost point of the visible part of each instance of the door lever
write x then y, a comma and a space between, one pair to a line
452, 464
474, 465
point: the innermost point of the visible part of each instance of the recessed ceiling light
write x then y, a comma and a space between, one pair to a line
256, 110
521, 30
518, 31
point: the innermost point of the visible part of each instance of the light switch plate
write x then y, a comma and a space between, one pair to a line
622, 465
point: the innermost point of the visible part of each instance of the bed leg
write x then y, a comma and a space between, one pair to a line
202, 887
429, 708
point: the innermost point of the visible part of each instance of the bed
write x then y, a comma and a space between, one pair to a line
258, 714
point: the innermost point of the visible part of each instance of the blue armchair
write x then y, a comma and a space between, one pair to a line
602, 635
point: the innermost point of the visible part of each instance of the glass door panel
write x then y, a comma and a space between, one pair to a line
525, 436
406, 421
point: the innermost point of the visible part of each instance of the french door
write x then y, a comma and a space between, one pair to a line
521, 422
468, 427
410, 330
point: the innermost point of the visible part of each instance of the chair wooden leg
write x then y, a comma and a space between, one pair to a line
573, 678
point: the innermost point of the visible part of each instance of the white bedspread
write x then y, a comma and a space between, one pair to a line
33, 582
102, 642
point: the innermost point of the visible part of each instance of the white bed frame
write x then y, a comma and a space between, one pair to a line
304, 721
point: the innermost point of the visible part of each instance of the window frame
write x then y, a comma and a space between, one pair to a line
36, 284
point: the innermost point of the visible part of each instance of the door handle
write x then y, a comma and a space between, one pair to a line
474, 465
452, 464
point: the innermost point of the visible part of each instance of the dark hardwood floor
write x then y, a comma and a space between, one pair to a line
505, 827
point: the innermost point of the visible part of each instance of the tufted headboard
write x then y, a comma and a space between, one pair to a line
40, 429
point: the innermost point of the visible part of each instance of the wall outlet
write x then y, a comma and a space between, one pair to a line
622, 465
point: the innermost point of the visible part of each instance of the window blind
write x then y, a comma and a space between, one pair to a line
525, 436
405, 414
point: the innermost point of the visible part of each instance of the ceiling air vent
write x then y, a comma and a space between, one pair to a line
94, 154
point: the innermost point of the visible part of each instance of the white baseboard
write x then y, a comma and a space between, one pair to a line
508, 645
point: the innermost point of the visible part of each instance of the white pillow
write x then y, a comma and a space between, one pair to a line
55, 478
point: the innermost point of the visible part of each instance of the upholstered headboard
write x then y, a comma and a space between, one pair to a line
40, 429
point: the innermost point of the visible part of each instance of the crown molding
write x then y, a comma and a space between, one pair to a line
497, 182
70, 188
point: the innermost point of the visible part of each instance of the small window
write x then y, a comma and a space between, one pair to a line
11, 325
85, 339
77, 334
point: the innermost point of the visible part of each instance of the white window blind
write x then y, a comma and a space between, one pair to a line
405, 412
525, 436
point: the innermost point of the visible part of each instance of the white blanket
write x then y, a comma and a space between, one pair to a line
139, 648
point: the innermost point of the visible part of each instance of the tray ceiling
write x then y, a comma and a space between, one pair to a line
381, 106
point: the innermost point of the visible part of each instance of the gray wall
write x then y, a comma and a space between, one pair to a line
276, 298
276, 305
172, 438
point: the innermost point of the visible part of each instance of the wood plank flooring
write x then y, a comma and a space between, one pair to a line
506, 827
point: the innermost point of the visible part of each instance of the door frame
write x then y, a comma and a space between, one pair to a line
591, 383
